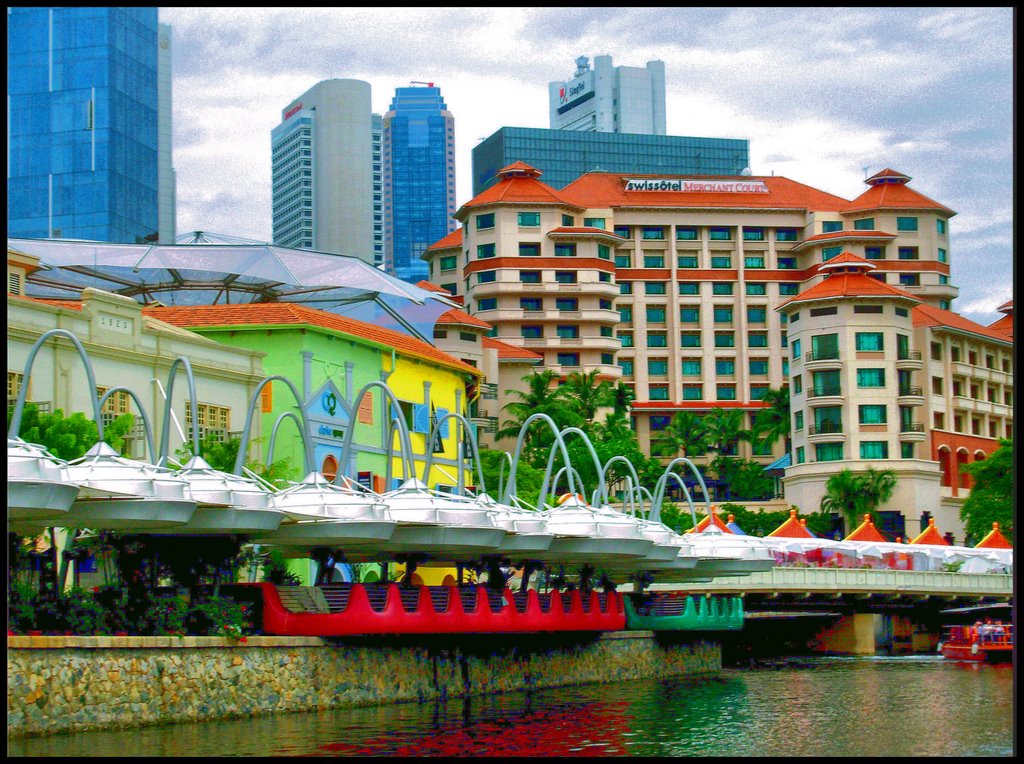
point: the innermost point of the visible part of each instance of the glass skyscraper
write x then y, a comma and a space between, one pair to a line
83, 124
419, 178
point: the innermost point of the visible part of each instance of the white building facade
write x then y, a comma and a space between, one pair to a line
610, 99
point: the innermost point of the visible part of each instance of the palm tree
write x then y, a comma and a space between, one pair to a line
541, 397
723, 428
614, 427
853, 495
684, 435
773, 422
587, 393
622, 398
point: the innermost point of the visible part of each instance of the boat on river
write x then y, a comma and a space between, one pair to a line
987, 642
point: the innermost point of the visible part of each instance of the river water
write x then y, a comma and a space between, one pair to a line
902, 706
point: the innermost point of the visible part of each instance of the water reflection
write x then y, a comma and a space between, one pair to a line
834, 706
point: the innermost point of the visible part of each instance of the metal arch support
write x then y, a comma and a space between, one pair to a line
469, 438
142, 413
511, 486
659, 489
273, 433
593, 455
506, 457
165, 434
604, 472
19, 406
403, 429
243, 448
686, 493
568, 469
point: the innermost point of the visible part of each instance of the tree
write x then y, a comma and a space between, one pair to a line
587, 394
773, 421
541, 397
70, 437
855, 494
684, 435
991, 497
622, 398
723, 428
528, 479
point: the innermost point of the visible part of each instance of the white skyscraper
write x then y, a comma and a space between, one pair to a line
166, 178
322, 168
610, 99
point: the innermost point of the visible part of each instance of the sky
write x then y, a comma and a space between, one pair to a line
825, 96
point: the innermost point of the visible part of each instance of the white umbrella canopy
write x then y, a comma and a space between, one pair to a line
38, 484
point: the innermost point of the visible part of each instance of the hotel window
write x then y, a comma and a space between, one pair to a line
783, 339
831, 226
659, 422
531, 303
604, 252
691, 368
623, 261
626, 364
657, 367
725, 367
606, 331
785, 234
624, 231
943, 256
874, 253
720, 234
657, 392
824, 347
485, 221
604, 304
785, 368
864, 224
723, 314
867, 309
758, 367
626, 287
757, 392
910, 279
874, 449
686, 233
940, 226
725, 340
725, 392
757, 315
798, 384
827, 253
787, 263
654, 261
872, 414
943, 279
870, 377
687, 261
490, 303
721, 288
529, 277
607, 359
565, 277
657, 340
753, 262
689, 315
656, 314
757, 290
907, 450
529, 250
484, 251
626, 338
796, 350
753, 234
626, 315
906, 224
604, 278
800, 459
798, 420
689, 339
721, 262
450, 288
568, 359
486, 277
788, 289
449, 263
531, 332
593, 222
907, 253
652, 232
870, 342
529, 219
568, 220
944, 304
567, 332
693, 392
567, 303
828, 452
565, 250
654, 287
757, 339
689, 288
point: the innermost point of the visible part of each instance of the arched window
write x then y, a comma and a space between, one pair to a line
329, 468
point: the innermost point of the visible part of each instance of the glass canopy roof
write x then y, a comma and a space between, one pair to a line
231, 274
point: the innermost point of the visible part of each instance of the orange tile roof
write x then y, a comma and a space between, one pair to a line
930, 535
866, 531
928, 315
1006, 307
452, 240
523, 190
888, 172
847, 259
284, 313
792, 528
597, 189
57, 303
856, 234
508, 352
994, 540
708, 520
849, 285
586, 230
1004, 326
461, 317
432, 287
893, 196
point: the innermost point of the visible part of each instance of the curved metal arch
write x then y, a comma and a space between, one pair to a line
507, 457
307, 446
593, 455
19, 406
659, 489
569, 469
471, 439
686, 493
142, 412
165, 434
273, 433
403, 430
511, 486
604, 472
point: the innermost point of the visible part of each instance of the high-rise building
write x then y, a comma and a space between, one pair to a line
565, 155
322, 170
610, 99
377, 130
88, 94
419, 178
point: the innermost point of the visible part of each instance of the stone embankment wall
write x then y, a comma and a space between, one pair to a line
67, 684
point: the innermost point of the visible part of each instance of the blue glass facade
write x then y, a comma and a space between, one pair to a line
82, 115
419, 178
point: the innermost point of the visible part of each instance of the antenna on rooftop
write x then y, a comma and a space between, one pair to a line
418, 82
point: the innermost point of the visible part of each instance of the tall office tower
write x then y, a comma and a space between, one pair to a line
419, 178
85, 105
377, 130
166, 178
322, 169
610, 99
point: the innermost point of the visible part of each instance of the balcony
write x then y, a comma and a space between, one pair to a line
819, 360
827, 395
825, 431
912, 431
910, 396
910, 360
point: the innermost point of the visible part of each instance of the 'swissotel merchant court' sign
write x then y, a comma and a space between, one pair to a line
698, 185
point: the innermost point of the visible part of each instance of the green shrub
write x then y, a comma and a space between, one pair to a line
82, 614
221, 617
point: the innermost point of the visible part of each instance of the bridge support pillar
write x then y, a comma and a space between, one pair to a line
855, 634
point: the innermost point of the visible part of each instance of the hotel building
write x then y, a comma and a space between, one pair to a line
610, 99
684, 289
